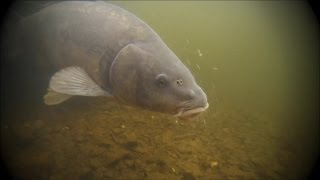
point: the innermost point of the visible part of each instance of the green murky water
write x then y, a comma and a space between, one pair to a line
258, 64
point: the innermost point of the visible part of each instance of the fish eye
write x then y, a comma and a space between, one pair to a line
161, 80
179, 82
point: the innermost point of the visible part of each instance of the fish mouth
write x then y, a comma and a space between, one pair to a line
191, 112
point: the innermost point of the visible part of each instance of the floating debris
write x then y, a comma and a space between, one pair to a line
213, 92
152, 117
215, 68
198, 66
123, 126
188, 62
199, 52
186, 45
204, 122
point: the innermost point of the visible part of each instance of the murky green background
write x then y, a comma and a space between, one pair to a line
258, 62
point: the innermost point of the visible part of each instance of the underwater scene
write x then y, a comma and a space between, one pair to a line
257, 64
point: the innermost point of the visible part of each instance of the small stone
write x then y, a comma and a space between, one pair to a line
65, 128
130, 136
173, 170
213, 164
192, 169
27, 125
131, 145
188, 176
87, 176
38, 124
123, 126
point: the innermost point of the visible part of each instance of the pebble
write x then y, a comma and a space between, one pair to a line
173, 170
65, 128
213, 164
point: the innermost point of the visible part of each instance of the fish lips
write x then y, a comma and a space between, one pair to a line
190, 112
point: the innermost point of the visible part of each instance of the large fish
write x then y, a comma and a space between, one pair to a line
100, 49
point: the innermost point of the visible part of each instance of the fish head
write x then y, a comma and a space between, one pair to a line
156, 82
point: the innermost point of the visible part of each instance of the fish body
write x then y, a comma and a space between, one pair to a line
100, 49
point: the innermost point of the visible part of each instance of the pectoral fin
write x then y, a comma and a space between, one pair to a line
71, 81
53, 98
